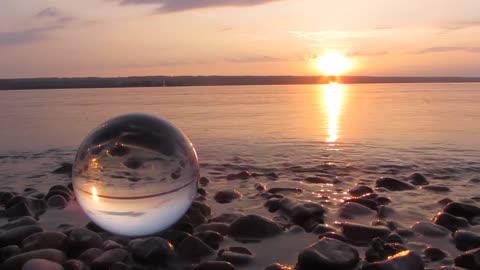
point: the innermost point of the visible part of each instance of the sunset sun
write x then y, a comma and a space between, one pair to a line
333, 64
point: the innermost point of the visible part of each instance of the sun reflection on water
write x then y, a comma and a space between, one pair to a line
332, 96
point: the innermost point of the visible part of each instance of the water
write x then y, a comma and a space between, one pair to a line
135, 175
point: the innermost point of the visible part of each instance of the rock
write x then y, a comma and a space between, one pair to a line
204, 181
45, 240
106, 260
9, 251
22, 221
17, 262
226, 217
444, 201
418, 179
260, 186
61, 188
401, 261
226, 196
284, 190
214, 265
385, 211
66, 195
65, 168
393, 184
383, 200
243, 175
202, 191
394, 238
57, 201
328, 254
89, 255
41, 264
75, 265
365, 202
5, 197
334, 235
436, 188
235, 255
407, 233
15, 236
430, 229
467, 211
469, 260
317, 180
120, 266
465, 240
173, 236
450, 222
211, 238
273, 204
379, 250
192, 249
361, 235
360, 191
242, 227
152, 250
81, 239
321, 229
278, 266
434, 254
221, 228
352, 210
92, 226
302, 213
26, 207
110, 244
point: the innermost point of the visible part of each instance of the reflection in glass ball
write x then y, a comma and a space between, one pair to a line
135, 175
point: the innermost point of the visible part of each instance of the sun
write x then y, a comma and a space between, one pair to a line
333, 64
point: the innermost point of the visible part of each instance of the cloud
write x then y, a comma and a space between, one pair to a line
168, 6
368, 53
254, 59
449, 49
53, 20
459, 25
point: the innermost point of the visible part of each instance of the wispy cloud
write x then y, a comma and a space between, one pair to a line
253, 59
167, 6
50, 19
459, 25
449, 49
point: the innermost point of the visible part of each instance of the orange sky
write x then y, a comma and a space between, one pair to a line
249, 37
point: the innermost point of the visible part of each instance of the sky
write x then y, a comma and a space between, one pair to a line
58, 38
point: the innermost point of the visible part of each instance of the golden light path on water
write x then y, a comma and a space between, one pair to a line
332, 98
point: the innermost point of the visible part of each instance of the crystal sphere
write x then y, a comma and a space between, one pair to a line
135, 175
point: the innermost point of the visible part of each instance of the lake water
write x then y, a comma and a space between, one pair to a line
350, 133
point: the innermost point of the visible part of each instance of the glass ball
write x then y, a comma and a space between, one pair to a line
135, 175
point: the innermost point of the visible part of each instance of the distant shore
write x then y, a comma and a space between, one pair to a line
172, 81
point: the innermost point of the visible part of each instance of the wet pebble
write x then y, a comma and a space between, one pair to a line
284, 190
379, 250
57, 201
352, 210
89, 255
193, 249
430, 229
110, 244
360, 190
235, 255
226, 217
243, 175
434, 254
45, 240
22, 221
211, 238
57, 192
81, 239
152, 250
17, 262
65, 168
303, 213
418, 179
242, 227
16, 235
9, 251
215, 265
469, 260
41, 264
365, 202
393, 184
204, 181
226, 196
450, 222
108, 258
219, 227
278, 266
467, 211
318, 180
400, 261
465, 240
362, 235
328, 254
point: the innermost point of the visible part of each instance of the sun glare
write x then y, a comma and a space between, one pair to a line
333, 64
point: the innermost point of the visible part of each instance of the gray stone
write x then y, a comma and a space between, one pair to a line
401, 261
235, 255
81, 239
362, 235
467, 211
9, 251
44, 240
469, 260
434, 254
360, 191
253, 226
450, 222
16, 235
17, 262
57, 201
465, 240
328, 254
430, 229
226, 196
108, 258
41, 264
192, 249
352, 210
152, 250
418, 179
89, 255
75, 265
393, 184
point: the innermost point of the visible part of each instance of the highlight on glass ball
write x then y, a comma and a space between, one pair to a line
135, 175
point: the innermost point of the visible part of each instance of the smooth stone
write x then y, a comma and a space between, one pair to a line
418, 179
469, 260
211, 238
173, 236
28, 207
360, 191
465, 240
235, 255
202, 191
17, 262
352, 210
334, 235
61, 188
19, 222
273, 204
393, 184
322, 228
9, 251
365, 202
445, 201
284, 190
105, 261
44, 240
385, 211
204, 181
434, 254
192, 248
379, 250
467, 211
450, 268
89, 255
110, 244
57, 201
226, 196
407, 233
75, 265
394, 238
405, 260
81, 239
436, 188
5, 197
278, 266
302, 212
430, 229
66, 195
215, 265
328, 254
65, 168
120, 266
317, 180
219, 227
152, 250
242, 227
41, 264
383, 200
226, 217
260, 186
16, 235
362, 235
243, 175
450, 222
